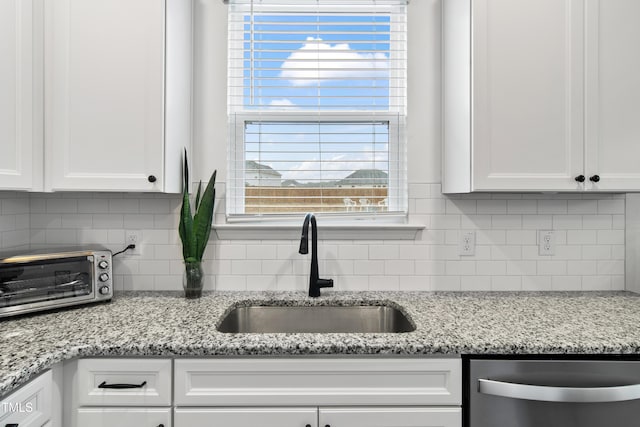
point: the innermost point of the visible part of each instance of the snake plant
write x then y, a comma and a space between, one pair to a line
195, 229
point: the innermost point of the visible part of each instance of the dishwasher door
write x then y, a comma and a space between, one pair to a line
553, 393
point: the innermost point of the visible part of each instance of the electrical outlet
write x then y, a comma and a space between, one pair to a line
133, 237
467, 244
546, 242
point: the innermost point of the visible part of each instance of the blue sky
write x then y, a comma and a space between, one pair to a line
317, 62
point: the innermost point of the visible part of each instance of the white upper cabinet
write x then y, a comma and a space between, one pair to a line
112, 68
20, 95
539, 95
613, 94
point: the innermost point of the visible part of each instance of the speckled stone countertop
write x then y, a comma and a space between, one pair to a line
166, 324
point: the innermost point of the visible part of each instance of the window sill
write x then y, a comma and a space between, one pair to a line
325, 232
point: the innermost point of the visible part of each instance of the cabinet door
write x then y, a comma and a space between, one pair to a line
104, 94
527, 94
613, 94
390, 417
246, 417
31, 405
21, 94
124, 417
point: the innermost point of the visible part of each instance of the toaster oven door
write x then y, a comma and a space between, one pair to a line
43, 283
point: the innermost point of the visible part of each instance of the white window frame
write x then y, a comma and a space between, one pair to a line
395, 116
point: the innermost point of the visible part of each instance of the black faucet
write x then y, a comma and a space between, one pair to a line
315, 282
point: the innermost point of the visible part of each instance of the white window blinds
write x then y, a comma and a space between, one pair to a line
317, 107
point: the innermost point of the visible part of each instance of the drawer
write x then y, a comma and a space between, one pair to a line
31, 405
124, 417
309, 381
124, 382
223, 417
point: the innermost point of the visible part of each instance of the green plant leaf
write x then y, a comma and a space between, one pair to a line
204, 217
185, 228
198, 195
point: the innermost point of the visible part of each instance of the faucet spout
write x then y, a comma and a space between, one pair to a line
315, 282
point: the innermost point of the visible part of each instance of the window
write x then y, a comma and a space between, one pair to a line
317, 108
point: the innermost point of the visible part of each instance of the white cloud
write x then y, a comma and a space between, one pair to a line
282, 103
317, 61
337, 168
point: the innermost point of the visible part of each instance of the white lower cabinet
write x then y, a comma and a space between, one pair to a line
124, 417
29, 406
123, 392
314, 417
318, 392
264, 391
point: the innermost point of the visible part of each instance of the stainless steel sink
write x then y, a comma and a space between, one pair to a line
315, 319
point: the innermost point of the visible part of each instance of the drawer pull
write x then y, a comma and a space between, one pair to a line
121, 386
11, 425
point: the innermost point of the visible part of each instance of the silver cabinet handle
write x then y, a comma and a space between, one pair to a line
559, 394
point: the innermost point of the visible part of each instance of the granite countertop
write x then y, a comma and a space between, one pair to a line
166, 324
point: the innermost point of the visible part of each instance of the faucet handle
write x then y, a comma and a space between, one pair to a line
325, 283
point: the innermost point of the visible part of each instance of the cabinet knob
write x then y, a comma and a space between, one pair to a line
152, 178
580, 178
594, 178
308, 425
160, 425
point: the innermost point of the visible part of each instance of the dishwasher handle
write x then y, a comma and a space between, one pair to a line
559, 394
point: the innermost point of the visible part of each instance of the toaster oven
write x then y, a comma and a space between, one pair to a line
45, 281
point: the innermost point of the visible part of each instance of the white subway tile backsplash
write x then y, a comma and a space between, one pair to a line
581, 237
537, 222
610, 237
475, 283
506, 283
522, 268
566, 283
615, 206
582, 206
552, 206
492, 207
414, 283
61, 206
522, 207
597, 222
552, 268
370, 268
384, 283
399, 267
536, 283
384, 252
589, 231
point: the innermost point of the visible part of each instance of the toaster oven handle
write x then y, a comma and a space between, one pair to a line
104, 384
559, 394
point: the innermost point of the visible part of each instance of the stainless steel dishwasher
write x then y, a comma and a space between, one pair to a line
552, 393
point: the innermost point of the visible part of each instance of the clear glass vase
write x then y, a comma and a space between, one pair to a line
193, 279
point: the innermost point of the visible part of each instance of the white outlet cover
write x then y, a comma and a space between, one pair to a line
546, 243
135, 237
467, 243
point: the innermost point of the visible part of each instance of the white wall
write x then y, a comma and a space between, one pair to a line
632, 242
589, 229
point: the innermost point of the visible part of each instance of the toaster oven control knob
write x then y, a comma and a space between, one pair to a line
103, 277
103, 264
104, 290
